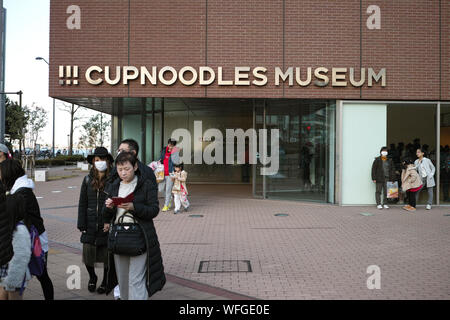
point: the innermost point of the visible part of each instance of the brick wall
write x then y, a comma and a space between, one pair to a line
254, 33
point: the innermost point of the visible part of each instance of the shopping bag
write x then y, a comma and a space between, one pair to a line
183, 197
153, 165
392, 190
159, 172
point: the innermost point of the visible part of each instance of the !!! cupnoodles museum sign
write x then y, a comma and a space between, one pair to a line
239, 76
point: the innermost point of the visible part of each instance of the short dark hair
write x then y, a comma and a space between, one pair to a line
134, 146
10, 170
384, 148
422, 150
172, 142
124, 157
407, 161
179, 165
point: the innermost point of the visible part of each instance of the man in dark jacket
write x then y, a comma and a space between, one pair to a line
130, 145
382, 171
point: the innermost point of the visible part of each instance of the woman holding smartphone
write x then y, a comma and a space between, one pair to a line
136, 282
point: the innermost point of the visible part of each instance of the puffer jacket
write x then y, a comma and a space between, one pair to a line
18, 266
410, 178
90, 217
146, 209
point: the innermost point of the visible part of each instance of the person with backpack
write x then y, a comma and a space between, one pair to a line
15, 246
90, 219
16, 181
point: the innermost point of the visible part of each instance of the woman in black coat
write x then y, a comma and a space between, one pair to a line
139, 276
90, 219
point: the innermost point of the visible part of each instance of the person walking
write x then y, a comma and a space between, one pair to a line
169, 156
383, 170
90, 219
16, 181
15, 246
426, 171
411, 183
141, 275
179, 189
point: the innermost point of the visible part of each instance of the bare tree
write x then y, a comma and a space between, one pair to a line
71, 109
37, 120
95, 131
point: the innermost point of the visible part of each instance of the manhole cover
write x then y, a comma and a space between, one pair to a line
196, 216
281, 215
222, 266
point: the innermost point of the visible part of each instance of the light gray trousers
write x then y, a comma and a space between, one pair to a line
131, 274
430, 193
168, 191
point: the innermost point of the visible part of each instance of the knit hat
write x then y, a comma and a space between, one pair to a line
5, 150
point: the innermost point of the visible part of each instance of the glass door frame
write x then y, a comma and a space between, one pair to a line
339, 112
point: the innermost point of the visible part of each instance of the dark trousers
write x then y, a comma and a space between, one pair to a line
411, 198
46, 282
381, 190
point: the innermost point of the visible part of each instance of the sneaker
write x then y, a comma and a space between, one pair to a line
165, 209
187, 208
428, 207
411, 209
406, 207
379, 207
386, 206
176, 211
170, 204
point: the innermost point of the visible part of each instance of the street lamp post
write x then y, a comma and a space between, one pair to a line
53, 134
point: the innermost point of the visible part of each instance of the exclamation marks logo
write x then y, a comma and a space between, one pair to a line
68, 75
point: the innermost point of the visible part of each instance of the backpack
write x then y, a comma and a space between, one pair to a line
37, 260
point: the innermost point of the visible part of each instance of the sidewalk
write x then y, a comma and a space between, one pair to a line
317, 251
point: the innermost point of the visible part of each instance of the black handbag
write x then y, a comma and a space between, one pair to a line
127, 239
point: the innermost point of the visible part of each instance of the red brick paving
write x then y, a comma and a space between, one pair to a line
317, 252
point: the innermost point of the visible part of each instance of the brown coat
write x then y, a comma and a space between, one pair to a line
410, 178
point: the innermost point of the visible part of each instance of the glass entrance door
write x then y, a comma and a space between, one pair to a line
306, 149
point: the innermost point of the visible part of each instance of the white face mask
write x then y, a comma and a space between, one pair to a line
384, 153
100, 165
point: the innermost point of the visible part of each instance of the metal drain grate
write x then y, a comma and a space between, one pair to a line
222, 266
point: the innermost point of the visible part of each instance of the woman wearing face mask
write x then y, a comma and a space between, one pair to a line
382, 172
90, 219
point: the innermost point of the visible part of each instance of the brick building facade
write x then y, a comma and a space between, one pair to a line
412, 45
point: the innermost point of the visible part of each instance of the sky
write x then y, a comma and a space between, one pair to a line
27, 37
